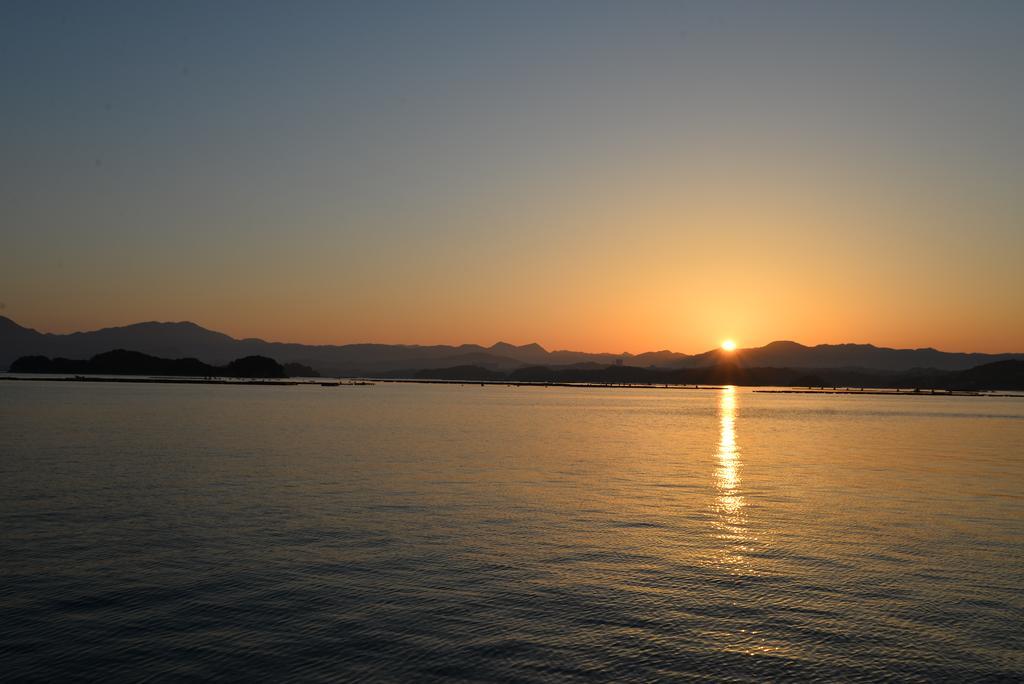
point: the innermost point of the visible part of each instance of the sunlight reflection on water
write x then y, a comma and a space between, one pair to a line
729, 505
727, 476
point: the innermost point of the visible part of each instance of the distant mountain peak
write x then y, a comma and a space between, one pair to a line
784, 344
189, 325
531, 347
10, 327
176, 328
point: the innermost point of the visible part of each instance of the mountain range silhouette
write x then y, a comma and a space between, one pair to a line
189, 340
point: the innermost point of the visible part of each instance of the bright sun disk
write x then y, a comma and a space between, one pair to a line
728, 345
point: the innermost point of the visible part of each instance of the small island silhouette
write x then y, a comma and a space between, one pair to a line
1000, 375
124, 362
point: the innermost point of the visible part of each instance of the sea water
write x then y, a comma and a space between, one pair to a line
406, 532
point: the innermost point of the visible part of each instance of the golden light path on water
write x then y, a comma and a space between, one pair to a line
729, 506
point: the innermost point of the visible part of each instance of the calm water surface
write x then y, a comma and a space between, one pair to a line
425, 532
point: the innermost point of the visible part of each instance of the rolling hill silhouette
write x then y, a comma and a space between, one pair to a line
122, 362
186, 339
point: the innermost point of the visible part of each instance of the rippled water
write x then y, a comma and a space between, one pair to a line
421, 532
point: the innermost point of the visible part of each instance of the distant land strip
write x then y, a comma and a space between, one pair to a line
520, 383
124, 362
1003, 375
273, 382
888, 392
162, 381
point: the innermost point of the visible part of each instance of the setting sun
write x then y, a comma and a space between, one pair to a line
728, 345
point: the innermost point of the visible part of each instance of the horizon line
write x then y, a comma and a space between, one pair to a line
499, 342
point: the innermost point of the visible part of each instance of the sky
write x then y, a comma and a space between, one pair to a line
621, 176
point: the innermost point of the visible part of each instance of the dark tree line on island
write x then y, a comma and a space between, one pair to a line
1001, 375
122, 362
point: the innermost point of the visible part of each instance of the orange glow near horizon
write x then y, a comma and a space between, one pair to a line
612, 295
636, 331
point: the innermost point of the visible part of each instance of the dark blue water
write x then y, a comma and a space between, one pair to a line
420, 533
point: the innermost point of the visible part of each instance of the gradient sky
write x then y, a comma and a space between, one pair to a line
615, 176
